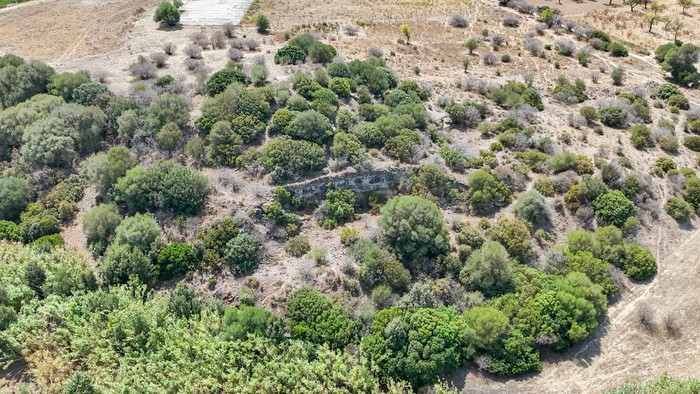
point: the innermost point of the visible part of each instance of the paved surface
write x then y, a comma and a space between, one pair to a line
213, 12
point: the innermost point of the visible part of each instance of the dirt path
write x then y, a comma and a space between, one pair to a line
621, 349
73, 233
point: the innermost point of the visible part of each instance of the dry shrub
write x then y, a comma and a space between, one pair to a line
143, 70
235, 54
200, 38
375, 51
259, 60
483, 361
618, 277
351, 30
489, 58
511, 21
672, 325
169, 48
458, 20
192, 64
193, 51
237, 43
646, 316
498, 39
100, 75
533, 45
252, 44
218, 40
159, 58
228, 29
306, 272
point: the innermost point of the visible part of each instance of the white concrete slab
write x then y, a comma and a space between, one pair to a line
213, 12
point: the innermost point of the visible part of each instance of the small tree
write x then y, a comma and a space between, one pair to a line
472, 45
406, 31
685, 4
262, 23
675, 25
465, 64
167, 13
618, 76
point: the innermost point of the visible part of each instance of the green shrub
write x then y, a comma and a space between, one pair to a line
338, 208
121, 262
52, 240
614, 208
613, 117
640, 136
165, 80
485, 192
579, 95
262, 23
665, 164
640, 264
168, 136
216, 236
241, 253
692, 142
340, 86
590, 114
669, 143
290, 54
86, 93
259, 75
310, 126
220, 80
297, 246
13, 197
514, 235
64, 84
174, 258
531, 207
679, 101
321, 53
313, 318
414, 227
380, 267
166, 185
544, 185
138, 232
38, 222
167, 13
338, 70
99, 224
617, 50
667, 90
292, 157
694, 127
168, 108
678, 209
22, 81
488, 269
349, 236
9, 231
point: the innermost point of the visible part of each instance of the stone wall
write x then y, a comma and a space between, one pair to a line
384, 183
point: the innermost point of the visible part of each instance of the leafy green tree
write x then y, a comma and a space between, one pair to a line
184, 302
241, 253
595, 269
167, 13
168, 136
9, 231
414, 227
614, 208
50, 143
679, 61
121, 262
168, 108
13, 197
312, 317
310, 126
399, 338
245, 320
609, 245
138, 232
579, 240
19, 82
64, 84
485, 192
99, 224
514, 235
337, 208
531, 207
292, 157
489, 325
174, 258
86, 93
488, 269
348, 146
640, 264
104, 170
380, 267
321, 53
38, 222
35, 276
